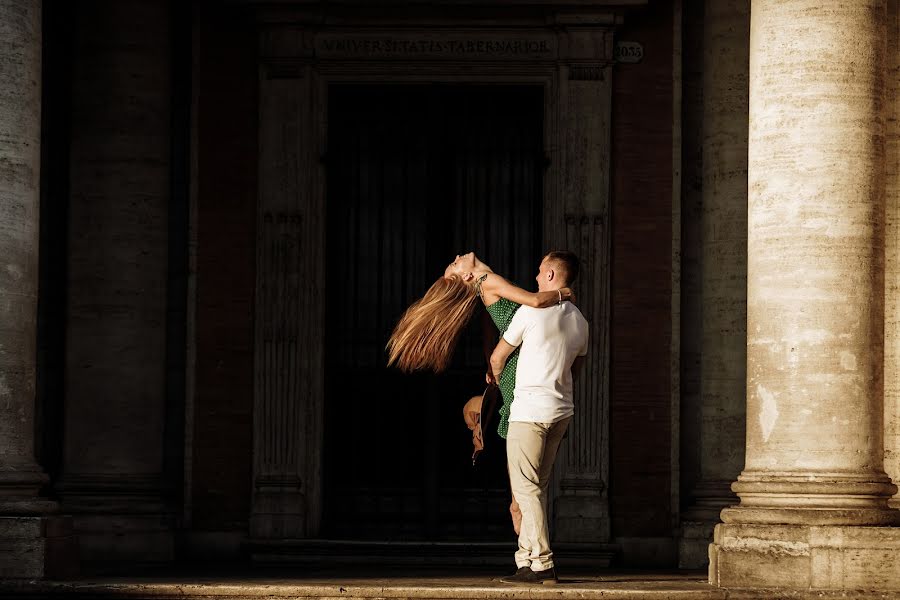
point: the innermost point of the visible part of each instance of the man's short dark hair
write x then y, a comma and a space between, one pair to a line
566, 262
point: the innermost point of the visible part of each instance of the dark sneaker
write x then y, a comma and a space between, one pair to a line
545, 577
526, 576
518, 577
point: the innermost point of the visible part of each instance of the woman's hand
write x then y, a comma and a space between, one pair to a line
489, 377
568, 294
472, 416
472, 411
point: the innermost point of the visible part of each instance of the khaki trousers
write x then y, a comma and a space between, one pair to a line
530, 453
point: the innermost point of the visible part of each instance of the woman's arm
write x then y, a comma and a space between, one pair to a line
498, 287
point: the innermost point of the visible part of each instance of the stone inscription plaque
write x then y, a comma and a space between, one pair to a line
464, 46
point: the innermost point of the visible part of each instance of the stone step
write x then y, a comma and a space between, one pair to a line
393, 584
331, 587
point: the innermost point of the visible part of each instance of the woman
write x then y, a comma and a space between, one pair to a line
426, 334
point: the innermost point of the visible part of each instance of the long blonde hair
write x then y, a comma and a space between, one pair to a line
426, 334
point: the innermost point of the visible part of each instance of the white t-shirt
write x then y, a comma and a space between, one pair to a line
551, 338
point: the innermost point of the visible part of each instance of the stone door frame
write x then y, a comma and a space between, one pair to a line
572, 62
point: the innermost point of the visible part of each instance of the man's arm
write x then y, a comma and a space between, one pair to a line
499, 356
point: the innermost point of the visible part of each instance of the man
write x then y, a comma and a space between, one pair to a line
554, 341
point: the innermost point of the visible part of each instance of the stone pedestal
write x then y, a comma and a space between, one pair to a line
814, 496
827, 557
38, 547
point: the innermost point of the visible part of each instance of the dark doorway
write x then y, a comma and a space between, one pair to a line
417, 174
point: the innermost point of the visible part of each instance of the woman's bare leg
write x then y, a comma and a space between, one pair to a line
516, 515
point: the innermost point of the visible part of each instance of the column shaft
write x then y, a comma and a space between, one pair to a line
33, 543
816, 263
20, 163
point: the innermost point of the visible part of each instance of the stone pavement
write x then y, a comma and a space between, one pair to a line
395, 584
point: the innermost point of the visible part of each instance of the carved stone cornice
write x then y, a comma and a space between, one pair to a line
443, 13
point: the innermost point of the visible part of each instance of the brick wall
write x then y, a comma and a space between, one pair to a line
225, 77
641, 419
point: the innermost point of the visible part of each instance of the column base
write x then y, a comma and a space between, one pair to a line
811, 557
38, 547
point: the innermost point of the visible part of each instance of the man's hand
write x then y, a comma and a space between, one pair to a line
499, 356
489, 377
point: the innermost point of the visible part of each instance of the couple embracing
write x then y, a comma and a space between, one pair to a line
544, 338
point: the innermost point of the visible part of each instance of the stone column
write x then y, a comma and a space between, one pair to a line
723, 273
814, 495
580, 222
29, 539
112, 477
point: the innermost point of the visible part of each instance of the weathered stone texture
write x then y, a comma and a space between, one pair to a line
31, 545
816, 239
20, 136
37, 547
800, 557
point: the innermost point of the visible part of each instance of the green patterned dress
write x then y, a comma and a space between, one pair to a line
502, 312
